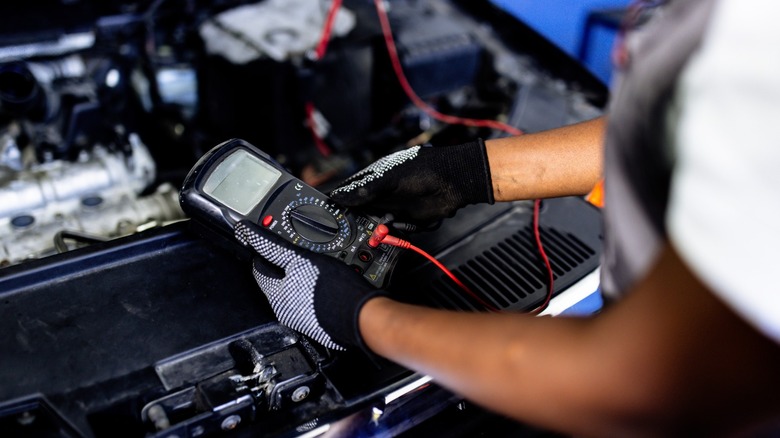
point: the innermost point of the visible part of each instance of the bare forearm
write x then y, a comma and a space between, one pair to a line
559, 162
514, 364
659, 363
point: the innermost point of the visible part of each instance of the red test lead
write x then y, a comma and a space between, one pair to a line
381, 235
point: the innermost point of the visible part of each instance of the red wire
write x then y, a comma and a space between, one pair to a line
319, 52
395, 61
454, 278
453, 120
394, 241
410, 93
318, 141
404, 244
545, 259
402, 80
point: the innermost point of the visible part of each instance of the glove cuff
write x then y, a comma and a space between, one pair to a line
340, 319
471, 169
356, 321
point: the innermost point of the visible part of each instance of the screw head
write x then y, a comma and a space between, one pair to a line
300, 393
230, 423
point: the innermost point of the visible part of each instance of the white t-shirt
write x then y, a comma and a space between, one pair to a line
724, 200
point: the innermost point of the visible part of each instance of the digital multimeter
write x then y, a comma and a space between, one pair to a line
236, 181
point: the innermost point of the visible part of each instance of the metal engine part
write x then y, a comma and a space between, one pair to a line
98, 195
279, 29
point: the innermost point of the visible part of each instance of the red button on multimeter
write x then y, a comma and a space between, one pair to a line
267, 221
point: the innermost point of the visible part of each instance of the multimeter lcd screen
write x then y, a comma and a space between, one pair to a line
240, 181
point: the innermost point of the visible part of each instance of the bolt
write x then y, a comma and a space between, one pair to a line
231, 422
158, 417
26, 419
300, 393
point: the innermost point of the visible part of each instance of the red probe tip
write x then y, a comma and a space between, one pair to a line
379, 234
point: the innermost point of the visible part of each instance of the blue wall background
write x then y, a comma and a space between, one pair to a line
563, 22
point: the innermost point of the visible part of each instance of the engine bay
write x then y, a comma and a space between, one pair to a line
103, 110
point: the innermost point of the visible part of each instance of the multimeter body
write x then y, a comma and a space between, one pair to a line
237, 181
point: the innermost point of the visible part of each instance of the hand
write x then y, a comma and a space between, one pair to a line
421, 184
311, 293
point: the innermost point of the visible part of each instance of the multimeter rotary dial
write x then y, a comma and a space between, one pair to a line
316, 225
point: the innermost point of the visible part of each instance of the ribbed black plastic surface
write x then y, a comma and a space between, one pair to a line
501, 263
511, 271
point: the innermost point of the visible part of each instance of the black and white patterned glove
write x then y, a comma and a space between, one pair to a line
421, 184
311, 293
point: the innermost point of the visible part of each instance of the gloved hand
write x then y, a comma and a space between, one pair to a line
311, 293
421, 184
